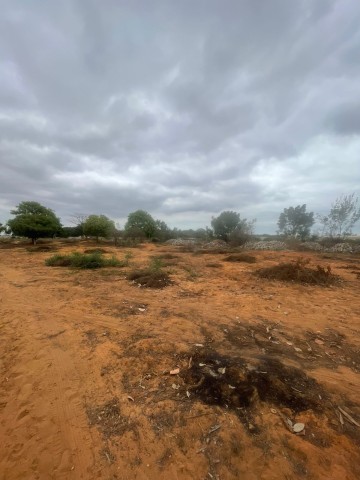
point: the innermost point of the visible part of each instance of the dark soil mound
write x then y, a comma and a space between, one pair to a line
150, 279
96, 250
240, 257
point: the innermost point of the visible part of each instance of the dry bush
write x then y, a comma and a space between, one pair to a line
167, 256
213, 265
41, 248
96, 250
150, 278
240, 257
299, 272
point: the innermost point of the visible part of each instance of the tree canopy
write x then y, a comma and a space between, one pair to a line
98, 226
229, 222
33, 220
342, 217
296, 222
141, 221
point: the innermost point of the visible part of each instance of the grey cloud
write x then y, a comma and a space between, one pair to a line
346, 119
176, 107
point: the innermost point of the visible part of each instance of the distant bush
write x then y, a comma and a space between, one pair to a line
41, 248
240, 257
82, 260
329, 242
96, 250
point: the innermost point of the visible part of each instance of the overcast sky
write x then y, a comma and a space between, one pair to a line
183, 108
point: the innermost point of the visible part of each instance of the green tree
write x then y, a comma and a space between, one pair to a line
67, 232
141, 220
163, 232
229, 222
296, 222
98, 226
34, 221
342, 217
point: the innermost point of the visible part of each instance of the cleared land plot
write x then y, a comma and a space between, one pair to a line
86, 355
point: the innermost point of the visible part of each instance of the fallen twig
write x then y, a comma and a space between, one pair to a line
349, 417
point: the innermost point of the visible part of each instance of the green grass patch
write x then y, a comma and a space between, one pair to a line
84, 261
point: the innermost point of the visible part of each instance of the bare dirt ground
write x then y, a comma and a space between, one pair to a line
86, 391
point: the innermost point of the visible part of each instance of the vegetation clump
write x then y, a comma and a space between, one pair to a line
95, 250
240, 257
300, 272
151, 277
33, 221
83, 260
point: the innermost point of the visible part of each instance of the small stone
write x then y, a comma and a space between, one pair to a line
298, 427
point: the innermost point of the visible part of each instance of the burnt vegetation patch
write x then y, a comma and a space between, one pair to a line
299, 271
234, 384
240, 257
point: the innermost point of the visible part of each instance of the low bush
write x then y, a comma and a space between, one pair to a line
149, 278
83, 260
299, 272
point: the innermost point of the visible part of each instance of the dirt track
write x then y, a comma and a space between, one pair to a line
85, 355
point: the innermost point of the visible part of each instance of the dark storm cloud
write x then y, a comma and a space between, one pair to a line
181, 108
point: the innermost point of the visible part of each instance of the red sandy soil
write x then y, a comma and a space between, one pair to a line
85, 358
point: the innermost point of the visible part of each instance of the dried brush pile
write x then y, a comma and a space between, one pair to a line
300, 272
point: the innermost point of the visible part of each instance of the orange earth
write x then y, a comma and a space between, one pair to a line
86, 391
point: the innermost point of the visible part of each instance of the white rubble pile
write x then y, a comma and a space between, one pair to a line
340, 248
270, 245
180, 242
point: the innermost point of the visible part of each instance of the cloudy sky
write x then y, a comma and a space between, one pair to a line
183, 108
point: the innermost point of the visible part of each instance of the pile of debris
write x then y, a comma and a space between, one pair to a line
182, 242
343, 248
271, 245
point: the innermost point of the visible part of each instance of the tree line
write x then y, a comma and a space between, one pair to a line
34, 221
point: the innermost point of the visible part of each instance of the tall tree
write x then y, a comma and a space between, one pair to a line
98, 226
78, 219
33, 220
342, 217
141, 221
296, 222
229, 222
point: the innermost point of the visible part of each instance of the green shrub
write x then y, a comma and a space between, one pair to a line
83, 260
